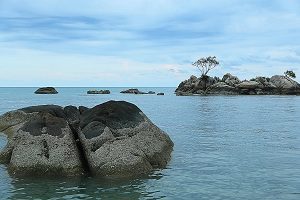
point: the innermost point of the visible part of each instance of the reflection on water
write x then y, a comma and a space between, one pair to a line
83, 188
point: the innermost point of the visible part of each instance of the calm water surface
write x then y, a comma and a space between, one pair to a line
240, 147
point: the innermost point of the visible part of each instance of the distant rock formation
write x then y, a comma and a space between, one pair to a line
136, 91
232, 85
160, 93
98, 92
46, 90
111, 139
133, 91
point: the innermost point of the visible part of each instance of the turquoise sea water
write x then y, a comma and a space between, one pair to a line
239, 147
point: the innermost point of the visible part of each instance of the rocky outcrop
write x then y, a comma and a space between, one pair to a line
196, 85
98, 92
46, 90
136, 91
160, 93
112, 139
133, 91
231, 85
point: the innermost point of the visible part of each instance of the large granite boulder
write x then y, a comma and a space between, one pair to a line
265, 83
112, 139
222, 88
231, 80
284, 82
119, 139
39, 143
46, 90
248, 85
285, 85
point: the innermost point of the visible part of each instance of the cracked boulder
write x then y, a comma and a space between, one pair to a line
118, 139
112, 139
39, 143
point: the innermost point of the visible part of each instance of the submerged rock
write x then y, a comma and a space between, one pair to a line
98, 92
46, 90
112, 139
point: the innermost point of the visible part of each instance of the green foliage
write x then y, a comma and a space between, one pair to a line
206, 64
290, 74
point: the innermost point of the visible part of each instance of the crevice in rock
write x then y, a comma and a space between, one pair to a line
84, 161
45, 149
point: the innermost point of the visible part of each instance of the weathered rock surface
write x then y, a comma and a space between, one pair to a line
112, 139
46, 90
98, 92
231, 85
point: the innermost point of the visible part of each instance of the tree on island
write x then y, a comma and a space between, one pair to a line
290, 73
205, 65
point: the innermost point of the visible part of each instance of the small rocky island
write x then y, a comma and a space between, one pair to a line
46, 90
137, 91
232, 85
98, 92
111, 139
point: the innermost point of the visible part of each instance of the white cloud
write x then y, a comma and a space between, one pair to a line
144, 40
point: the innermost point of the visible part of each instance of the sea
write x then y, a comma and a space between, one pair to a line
225, 147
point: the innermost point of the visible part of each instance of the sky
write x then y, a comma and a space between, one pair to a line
144, 42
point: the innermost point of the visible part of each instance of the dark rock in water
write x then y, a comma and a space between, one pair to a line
98, 92
112, 139
132, 91
46, 90
231, 85
160, 93
151, 92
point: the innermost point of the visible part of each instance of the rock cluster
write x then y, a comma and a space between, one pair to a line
46, 90
98, 92
232, 85
136, 91
111, 139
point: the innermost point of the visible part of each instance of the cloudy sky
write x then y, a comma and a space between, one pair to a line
144, 42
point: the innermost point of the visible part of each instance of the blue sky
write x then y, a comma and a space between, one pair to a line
144, 42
